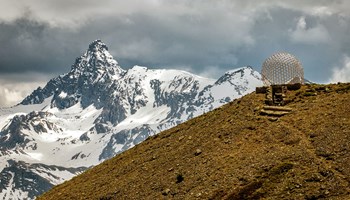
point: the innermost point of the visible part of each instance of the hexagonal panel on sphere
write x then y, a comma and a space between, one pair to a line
282, 68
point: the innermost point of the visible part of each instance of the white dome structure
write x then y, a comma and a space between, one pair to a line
282, 68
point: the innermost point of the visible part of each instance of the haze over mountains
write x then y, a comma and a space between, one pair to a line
96, 111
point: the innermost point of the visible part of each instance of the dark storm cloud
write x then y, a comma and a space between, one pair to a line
143, 39
29, 45
196, 35
204, 37
146, 40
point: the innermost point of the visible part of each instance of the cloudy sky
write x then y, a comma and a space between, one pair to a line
40, 39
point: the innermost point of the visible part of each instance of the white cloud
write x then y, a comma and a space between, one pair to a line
12, 94
342, 74
301, 25
8, 97
14, 88
309, 35
321, 11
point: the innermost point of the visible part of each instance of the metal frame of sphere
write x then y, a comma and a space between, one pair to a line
282, 68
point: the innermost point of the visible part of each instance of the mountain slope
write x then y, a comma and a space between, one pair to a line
98, 110
235, 153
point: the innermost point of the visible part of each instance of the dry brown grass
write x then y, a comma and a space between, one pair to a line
234, 153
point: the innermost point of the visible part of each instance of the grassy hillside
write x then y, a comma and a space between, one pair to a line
235, 153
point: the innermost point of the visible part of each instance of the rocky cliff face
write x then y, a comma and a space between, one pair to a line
98, 110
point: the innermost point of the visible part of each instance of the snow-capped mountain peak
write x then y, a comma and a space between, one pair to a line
97, 45
92, 74
97, 60
98, 110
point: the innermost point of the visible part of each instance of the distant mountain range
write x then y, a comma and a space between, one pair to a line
98, 110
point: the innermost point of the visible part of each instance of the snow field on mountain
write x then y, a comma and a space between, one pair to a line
239, 84
98, 110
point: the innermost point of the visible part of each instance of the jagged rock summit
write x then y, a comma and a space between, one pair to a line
93, 71
98, 110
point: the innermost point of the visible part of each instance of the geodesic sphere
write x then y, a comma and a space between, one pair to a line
282, 68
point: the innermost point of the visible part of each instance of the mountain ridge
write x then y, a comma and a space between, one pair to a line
233, 152
98, 110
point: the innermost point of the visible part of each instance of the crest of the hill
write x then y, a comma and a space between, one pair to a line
235, 153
